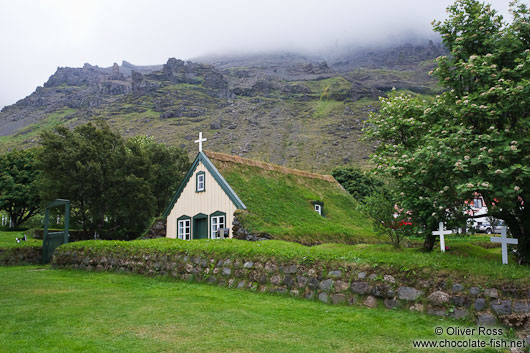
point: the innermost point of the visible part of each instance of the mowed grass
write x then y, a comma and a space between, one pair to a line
44, 310
294, 218
8, 239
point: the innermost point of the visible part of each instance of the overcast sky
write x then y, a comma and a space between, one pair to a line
38, 36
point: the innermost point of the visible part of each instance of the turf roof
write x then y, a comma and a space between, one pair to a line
280, 200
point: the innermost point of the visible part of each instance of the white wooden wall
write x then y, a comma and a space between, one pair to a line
191, 203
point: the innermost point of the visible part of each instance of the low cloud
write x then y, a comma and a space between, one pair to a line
38, 36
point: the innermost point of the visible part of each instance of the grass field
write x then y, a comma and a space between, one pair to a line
8, 239
44, 310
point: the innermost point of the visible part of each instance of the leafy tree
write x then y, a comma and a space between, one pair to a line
358, 183
111, 183
474, 137
387, 218
19, 195
167, 166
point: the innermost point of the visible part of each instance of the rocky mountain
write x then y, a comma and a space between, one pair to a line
285, 108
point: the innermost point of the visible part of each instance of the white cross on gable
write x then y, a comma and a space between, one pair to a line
504, 244
441, 232
200, 141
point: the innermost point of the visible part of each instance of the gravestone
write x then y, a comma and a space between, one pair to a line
504, 244
441, 232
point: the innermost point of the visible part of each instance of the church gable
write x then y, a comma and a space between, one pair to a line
202, 172
203, 203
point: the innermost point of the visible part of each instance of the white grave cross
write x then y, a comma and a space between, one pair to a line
441, 232
504, 244
200, 141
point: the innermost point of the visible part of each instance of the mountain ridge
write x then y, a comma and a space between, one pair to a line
295, 110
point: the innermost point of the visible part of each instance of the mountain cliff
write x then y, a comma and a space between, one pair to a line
294, 110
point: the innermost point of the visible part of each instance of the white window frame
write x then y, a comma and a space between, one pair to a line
216, 224
318, 209
184, 229
200, 179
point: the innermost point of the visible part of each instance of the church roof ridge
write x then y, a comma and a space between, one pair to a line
223, 157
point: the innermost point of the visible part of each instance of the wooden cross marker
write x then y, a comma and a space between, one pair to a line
504, 244
441, 232
200, 141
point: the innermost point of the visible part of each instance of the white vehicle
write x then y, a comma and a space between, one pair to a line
487, 225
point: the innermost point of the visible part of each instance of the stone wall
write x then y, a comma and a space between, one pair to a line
351, 284
239, 232
20, 255
157, 229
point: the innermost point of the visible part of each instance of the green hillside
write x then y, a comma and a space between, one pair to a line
287, 110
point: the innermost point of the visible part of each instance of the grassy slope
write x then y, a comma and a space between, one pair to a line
280, 204
296, 130
478, 267
46, 310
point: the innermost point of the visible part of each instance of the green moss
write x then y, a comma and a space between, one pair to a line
324, 108
334, 84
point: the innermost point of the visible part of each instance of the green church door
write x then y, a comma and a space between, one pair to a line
200, 227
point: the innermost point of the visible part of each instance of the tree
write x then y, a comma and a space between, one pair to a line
166, 167
472, 138
112, 183
358, 183
19, 195
387, 218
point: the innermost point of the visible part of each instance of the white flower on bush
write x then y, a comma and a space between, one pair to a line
466, 158
517, 188
513, 148
485, 184
470, 185
498, 171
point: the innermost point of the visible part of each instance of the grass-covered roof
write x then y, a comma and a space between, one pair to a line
279, 202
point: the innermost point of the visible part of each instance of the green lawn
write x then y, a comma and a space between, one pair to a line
8, 239
43, 310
